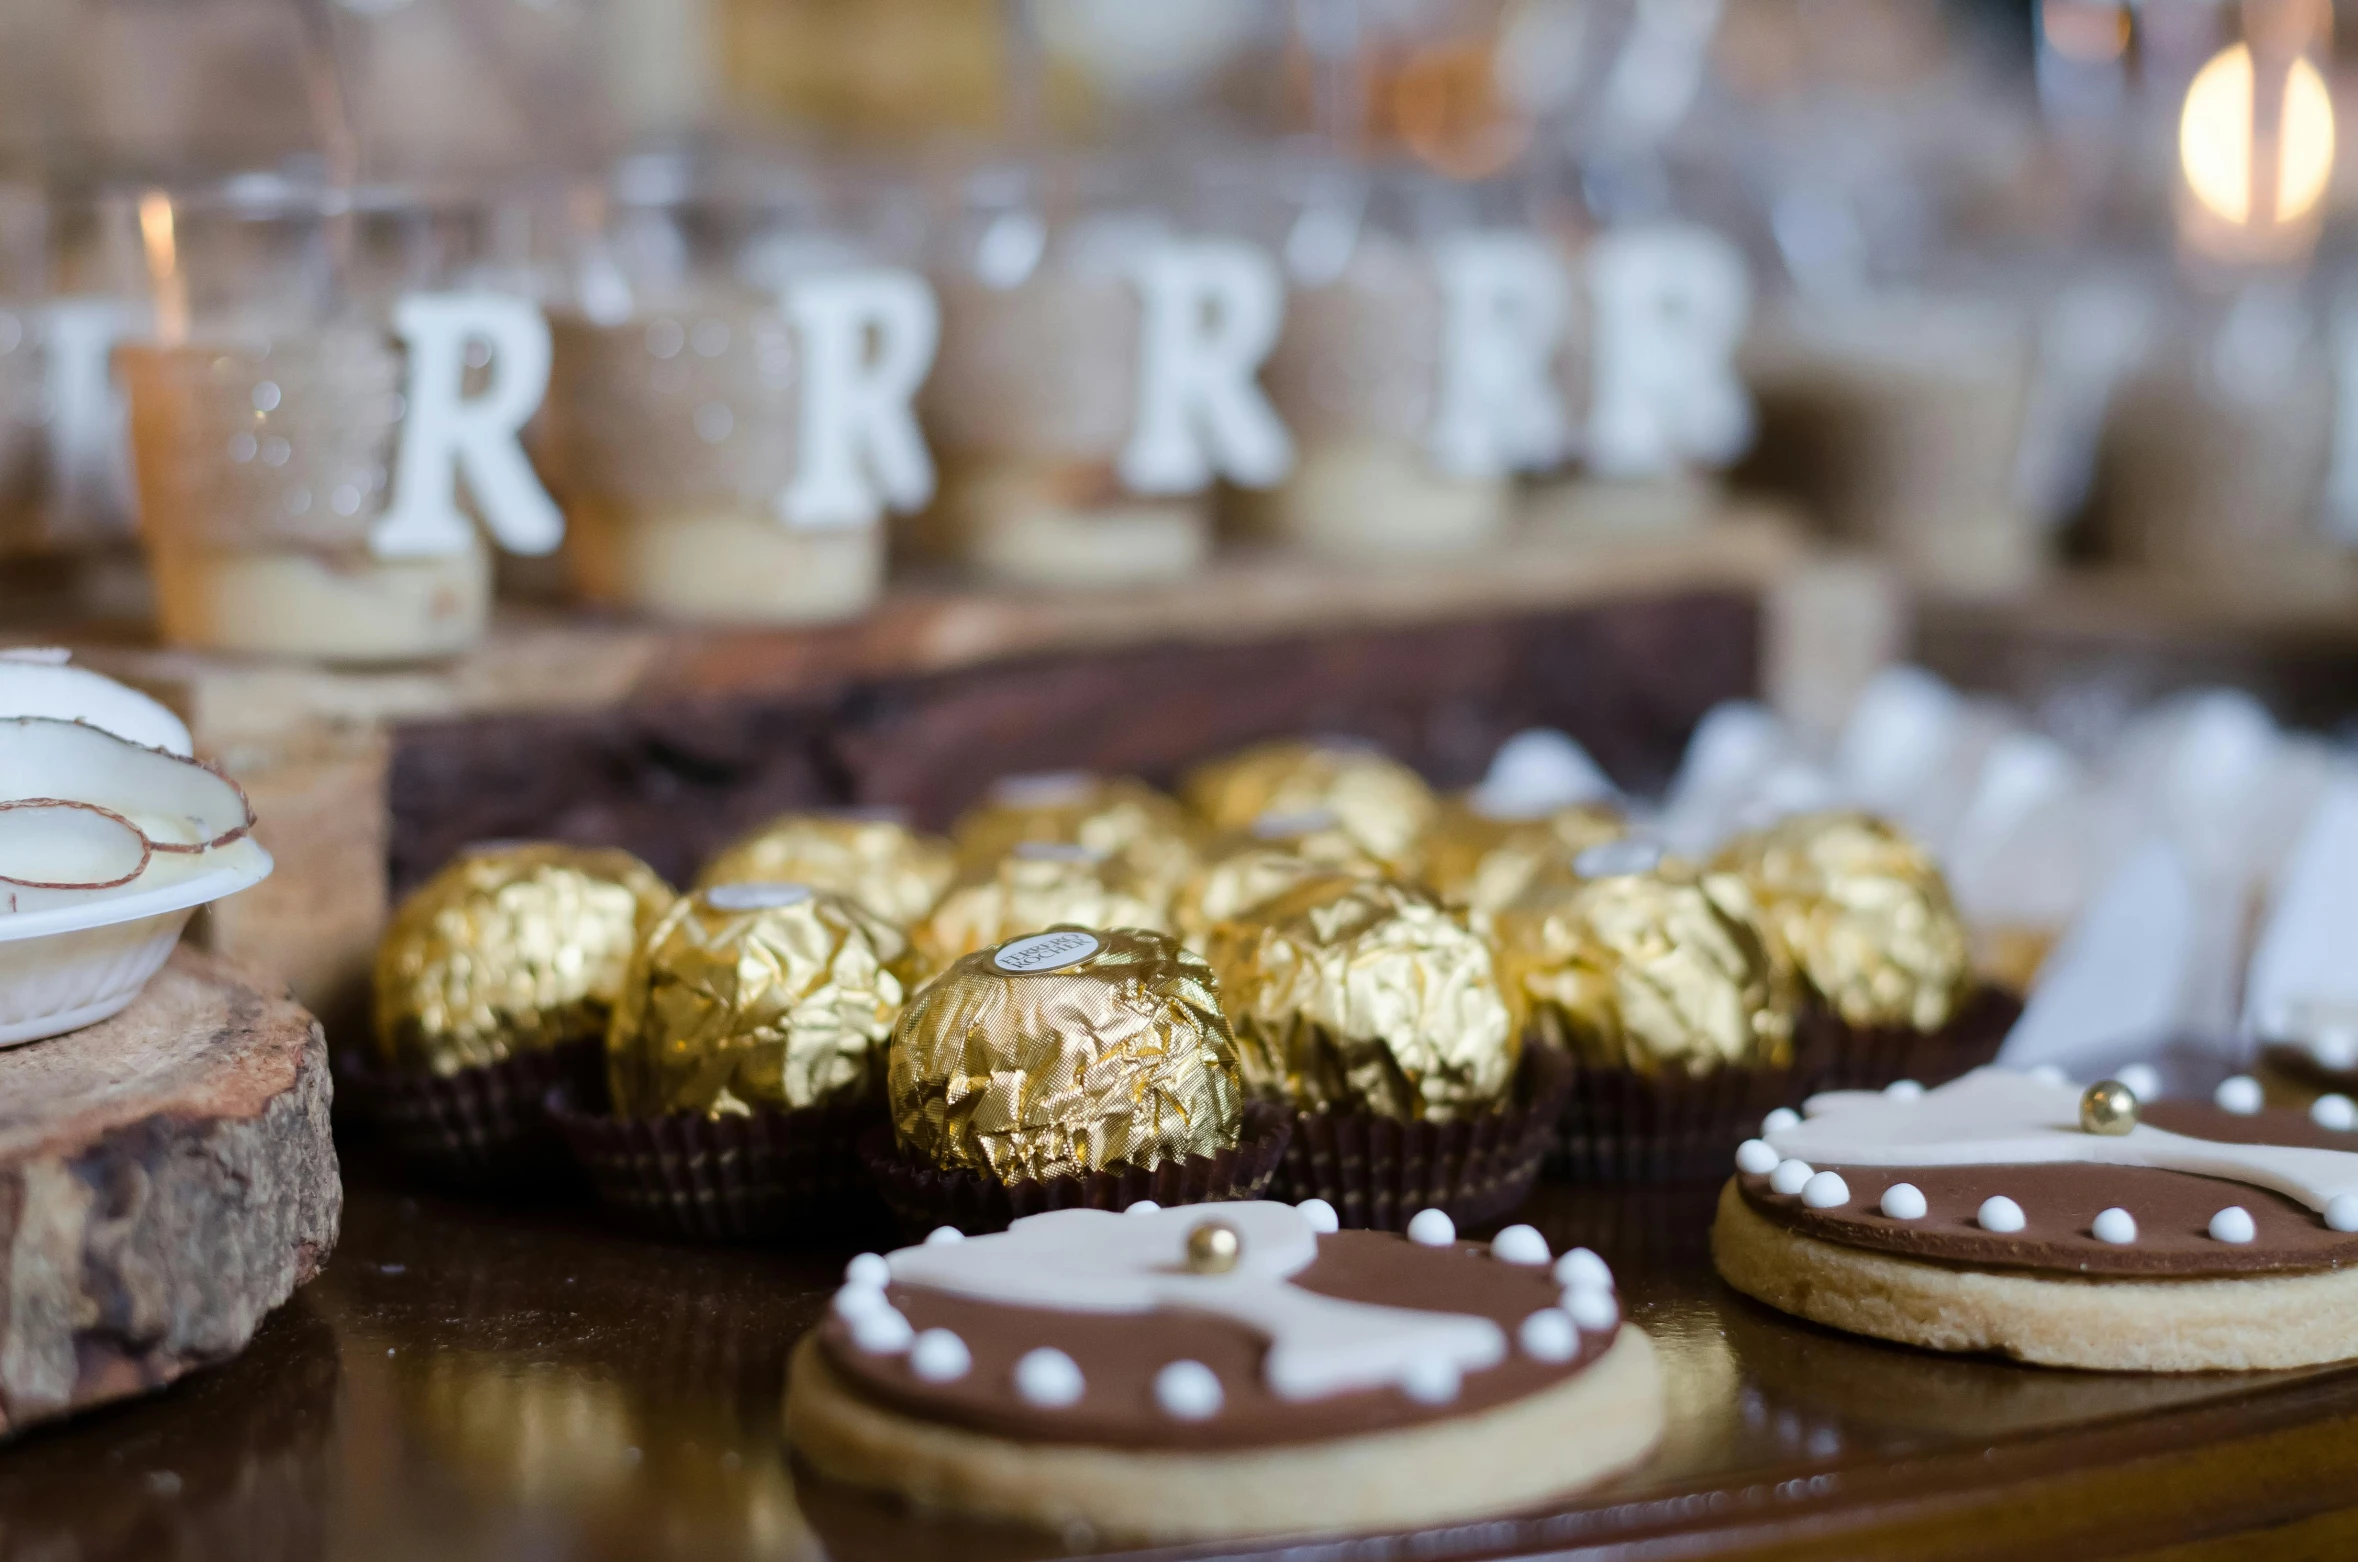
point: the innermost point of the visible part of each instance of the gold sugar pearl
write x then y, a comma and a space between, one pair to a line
1213, 1248
2108, 1107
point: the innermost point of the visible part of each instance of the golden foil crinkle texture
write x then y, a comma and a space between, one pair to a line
1120, 1058
894, 871
1479, 860
1242, 870
757, 997
1862, 913
1038, 884
1382, 803
1352, 993
1661, 972
510, 949
1117, 818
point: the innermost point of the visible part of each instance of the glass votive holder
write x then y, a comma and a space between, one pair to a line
671, 434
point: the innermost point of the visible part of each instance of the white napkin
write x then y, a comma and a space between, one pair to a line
2116, 983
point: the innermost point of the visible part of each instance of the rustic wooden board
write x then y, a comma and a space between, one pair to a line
166, 1179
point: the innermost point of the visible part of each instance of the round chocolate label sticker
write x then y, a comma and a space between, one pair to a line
1044, 952
757, 896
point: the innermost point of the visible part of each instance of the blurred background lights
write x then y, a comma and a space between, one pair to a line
2229, 155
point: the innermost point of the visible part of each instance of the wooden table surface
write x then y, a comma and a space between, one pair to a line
467, 1381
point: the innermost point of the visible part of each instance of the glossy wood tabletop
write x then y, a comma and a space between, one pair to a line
471, 1381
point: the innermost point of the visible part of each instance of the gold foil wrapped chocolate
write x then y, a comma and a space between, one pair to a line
1038, 884
1115, 817
510, 949
894, 871
1861, 912
757, 997
1383, 804
1660, 971
1241, 871
1365, 994
1067, 1051
1483, 861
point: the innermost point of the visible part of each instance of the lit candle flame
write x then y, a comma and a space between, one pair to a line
157, 237
2219, 142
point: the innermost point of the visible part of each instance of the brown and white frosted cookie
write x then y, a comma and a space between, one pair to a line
1229, 1369
2017, 1213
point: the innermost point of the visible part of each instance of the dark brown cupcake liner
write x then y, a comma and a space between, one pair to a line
923, 1197
1835, 1055
764, 1177
481, 1128
1623, 1126
1378, 1171
2293, 1072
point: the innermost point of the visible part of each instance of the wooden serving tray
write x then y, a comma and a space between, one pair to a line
470, 1381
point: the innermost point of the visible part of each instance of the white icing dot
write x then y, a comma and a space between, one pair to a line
2233, 1224
1791, 1176
1826, 1190
1519, 1245
1321, 1215
1783, 1120
1549, 1335
2335, 1047
938, 1356
2048, 1074
1592, 1307
2115, 1225
857, 1299
1581, 1267
1904, 1201
2341, 1212
1048, 1377
883, 1332
1144, 1207
1903, 1090
867, 1269
1432, 1228
1188, 1391
1430, 1380
2143, 1079
2000, 1214
1756, 1157
2337, 1112
2239, 1094
940, 1234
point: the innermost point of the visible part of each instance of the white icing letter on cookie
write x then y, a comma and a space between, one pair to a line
1993, 1117
1083, 1260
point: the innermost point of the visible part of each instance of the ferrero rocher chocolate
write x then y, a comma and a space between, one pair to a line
1365, 994
1861, 912
757, 997
1038, 884
1280, 851
878, 861
1383, 804
1660, 971
1064, 1052
1483, 860
510, 949
1117, 818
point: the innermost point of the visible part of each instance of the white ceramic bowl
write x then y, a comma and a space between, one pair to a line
73, 966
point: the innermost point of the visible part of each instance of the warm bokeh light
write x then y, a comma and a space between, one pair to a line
2088, 32
2217, 132
159, 239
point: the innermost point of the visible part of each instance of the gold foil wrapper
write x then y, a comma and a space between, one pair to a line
1661, 972
1477, 860
1861, 912
757, 997
1365, 994
894, 871
510, 949
1383, 804
1037, 885
1244, 870
1119, 1056
1114, 817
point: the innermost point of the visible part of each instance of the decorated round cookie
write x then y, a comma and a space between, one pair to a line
2071, 1227
1224, 1369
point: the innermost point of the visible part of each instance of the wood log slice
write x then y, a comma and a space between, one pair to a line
166, 1179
